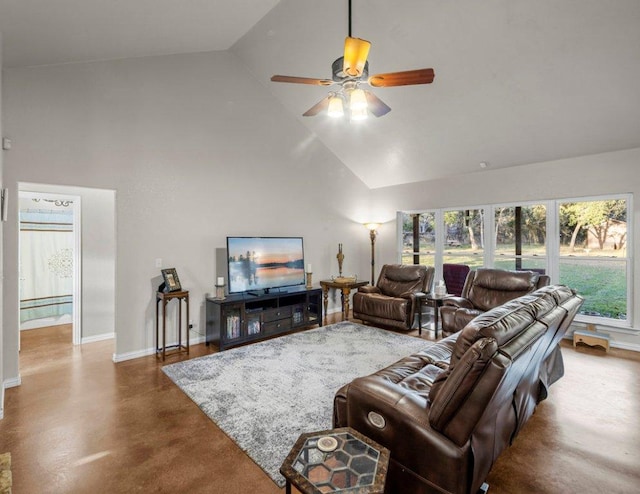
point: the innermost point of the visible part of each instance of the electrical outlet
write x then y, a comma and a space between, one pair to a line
158, 263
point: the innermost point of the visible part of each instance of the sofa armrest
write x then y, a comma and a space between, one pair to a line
410, 295
407, 432
460, 302
369, 289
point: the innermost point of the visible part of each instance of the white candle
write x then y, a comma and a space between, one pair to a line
220, 281
309, 268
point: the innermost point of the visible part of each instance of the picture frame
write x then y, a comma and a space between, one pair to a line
171, 280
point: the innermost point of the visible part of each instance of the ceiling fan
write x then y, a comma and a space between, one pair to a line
349, 72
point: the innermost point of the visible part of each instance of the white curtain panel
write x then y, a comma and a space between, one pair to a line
46, 264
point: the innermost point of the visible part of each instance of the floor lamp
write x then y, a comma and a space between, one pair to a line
373, 232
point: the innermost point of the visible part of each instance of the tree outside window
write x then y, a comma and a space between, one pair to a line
464, 237
593, 254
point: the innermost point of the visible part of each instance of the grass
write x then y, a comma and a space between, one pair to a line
602, 284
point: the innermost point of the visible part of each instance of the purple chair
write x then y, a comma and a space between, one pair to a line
454, 277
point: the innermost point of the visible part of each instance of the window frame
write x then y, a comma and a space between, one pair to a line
552, 244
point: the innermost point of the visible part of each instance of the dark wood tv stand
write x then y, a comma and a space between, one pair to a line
245, 318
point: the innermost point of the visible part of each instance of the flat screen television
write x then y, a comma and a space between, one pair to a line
259, 264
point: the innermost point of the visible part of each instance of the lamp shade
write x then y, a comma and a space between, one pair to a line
335, 107
357, 100
356, 51
372, 226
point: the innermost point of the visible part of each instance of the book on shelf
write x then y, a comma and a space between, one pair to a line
233, 326
253, 326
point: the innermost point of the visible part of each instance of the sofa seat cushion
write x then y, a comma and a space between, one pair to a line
382, 306
417, 372
459, 317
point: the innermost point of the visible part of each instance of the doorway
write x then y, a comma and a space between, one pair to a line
50, 261
90, 261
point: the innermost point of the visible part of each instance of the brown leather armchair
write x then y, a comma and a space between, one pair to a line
483, 290
392, 301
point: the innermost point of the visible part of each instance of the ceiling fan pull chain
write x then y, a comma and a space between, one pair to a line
350, 18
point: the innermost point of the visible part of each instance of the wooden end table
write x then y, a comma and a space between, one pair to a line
180, 296
345, 288
431, 300
336, 460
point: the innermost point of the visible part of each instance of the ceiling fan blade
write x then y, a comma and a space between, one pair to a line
320, 106
302, 80
406, 78
356, 51
376, 105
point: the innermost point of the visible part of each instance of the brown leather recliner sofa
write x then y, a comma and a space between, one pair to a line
483, 290
392, 302
447, 412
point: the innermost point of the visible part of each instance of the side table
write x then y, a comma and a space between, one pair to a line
434, 301
336, 460
164, 298
345, 288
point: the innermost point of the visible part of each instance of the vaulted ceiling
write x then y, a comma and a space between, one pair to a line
517, 81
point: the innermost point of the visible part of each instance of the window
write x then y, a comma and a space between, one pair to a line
418, 238
520, 235
594, 257
464, 237
581, 243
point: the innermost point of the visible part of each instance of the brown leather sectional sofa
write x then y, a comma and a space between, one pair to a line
448, 412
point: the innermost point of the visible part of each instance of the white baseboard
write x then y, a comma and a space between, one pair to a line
12, 382
98, 337
625, 346
121, 357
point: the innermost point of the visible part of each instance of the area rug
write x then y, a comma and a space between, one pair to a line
266, 394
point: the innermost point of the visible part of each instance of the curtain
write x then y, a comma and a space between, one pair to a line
46, 263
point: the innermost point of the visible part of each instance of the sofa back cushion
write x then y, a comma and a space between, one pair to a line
397, 279
489, 288
503, 324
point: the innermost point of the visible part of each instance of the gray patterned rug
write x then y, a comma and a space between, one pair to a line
266, 394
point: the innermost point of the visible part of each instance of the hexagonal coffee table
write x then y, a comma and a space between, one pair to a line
337, 460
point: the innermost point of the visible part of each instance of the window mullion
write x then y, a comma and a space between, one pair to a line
490, 234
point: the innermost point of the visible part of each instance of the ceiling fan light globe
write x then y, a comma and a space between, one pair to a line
335, 109
357, 100
358, 114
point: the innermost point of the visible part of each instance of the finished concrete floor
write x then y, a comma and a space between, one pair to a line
81, 424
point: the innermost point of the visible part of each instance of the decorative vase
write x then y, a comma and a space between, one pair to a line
340, 258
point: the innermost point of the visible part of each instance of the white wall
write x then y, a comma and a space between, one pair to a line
608, 173
1, 253
196, 149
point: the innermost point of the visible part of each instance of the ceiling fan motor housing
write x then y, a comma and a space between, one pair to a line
339, 75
